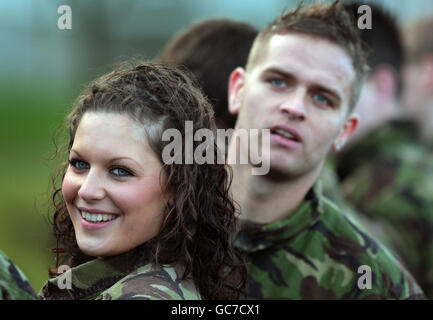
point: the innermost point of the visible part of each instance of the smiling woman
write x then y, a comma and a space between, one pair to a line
130, 226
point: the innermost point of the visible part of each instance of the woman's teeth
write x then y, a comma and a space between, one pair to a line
96, 217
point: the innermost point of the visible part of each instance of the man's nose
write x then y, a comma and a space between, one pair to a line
92, 187
294, 104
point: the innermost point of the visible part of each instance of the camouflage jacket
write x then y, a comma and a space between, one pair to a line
389, 177
119, 278
13, 283
381, 231
317, 252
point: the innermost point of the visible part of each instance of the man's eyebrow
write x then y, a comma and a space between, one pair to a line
282, 73
316, 86
328, 91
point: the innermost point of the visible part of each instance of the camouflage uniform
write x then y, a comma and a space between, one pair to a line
316, 253
389, 177
13, 283
380, 230
119, 278
101, 279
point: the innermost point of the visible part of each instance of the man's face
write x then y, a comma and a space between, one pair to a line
299, 89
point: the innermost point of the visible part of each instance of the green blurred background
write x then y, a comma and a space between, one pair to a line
43, 70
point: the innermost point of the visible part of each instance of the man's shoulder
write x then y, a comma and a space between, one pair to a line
152, 282
348, 242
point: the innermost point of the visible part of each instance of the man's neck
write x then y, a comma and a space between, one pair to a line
265, 200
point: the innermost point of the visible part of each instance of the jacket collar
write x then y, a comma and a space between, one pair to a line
255, 237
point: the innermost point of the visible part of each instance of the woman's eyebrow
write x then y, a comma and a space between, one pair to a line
75, 151
110, 160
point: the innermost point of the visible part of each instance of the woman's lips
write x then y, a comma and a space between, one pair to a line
94, 219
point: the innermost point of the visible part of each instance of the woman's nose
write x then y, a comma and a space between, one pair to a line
92, 187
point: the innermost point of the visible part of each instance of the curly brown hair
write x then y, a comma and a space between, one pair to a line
200, 217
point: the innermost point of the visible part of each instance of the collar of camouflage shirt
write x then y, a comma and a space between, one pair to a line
254, 237
88, 280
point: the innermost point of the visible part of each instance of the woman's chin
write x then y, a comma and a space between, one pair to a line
93, 250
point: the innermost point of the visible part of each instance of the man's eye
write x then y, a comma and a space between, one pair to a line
121, 172
278, 83
323, 100
78, 164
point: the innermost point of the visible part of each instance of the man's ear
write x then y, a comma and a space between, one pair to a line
346, 132
236, 84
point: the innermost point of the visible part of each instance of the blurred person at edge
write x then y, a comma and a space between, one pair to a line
383, 170
418, 77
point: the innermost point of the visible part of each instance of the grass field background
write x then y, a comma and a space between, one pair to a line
28, 122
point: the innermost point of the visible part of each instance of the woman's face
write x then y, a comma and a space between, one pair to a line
112, 185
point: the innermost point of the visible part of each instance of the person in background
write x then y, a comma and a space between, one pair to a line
418, 78
383, 171
211, 50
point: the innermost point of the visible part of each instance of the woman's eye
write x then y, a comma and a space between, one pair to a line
121, 172
78, 164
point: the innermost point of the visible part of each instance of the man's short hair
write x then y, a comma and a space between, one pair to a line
421, 37
328, 21
383, 40
211, 50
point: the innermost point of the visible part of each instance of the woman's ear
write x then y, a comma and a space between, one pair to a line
346, 132
236, 84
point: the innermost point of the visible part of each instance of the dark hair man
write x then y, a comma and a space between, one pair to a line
384, 171
302, 80
211, 50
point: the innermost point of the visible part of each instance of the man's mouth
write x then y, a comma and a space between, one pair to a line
286, 132
283, 133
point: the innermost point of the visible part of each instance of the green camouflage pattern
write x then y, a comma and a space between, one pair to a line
316, 253
380, 230
13, 283
389, 177
114, 278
